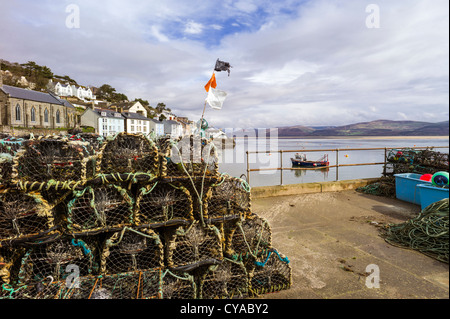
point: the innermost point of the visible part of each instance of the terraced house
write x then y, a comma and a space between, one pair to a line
32, 109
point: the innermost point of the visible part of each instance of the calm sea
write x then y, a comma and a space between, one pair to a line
233, 160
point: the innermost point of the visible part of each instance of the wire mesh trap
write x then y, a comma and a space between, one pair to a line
194, 244
101, 207
249, 237
54, 159
177, 285
190, 156
160, 202
132, 250
228, 280
23, 214
271, 272
128, 153
231, 196
54, 259
6, 162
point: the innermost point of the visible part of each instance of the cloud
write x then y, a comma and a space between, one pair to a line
295, 62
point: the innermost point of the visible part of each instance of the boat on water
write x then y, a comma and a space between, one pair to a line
300, 160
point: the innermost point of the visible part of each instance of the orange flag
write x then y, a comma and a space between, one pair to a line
211, 83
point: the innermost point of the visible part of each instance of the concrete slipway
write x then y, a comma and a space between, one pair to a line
330, 234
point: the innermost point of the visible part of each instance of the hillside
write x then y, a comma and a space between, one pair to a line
373, 128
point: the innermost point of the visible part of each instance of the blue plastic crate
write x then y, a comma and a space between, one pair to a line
430, 194
406, 187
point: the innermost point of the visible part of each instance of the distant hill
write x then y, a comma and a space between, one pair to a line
373, 128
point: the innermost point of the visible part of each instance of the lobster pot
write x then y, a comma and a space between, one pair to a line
128, 153
231, 196
97, 208
228, 280
131, 250
190, 156
251, 236
161, 202
43, 290
131, 285
95, 140
176, 285
9, 264
58, 259
192, 245
11, 145
6, 162
23, 215
270, 273
54, 159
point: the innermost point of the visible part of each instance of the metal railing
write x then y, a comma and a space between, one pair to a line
337, 165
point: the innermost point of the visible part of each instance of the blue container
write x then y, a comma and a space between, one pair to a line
430, 194
406, 187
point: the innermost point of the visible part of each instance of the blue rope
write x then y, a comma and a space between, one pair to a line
81, 244
262, 264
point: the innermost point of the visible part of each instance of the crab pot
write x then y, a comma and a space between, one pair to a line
130, 285
54, 159
97, 208
228, 280
11, 145
250, 236
177, 285
132, 250
128, 153
95, 140
58, 259
161, 202
231, 196
9, 264
271, 272
192, 245
191, 156
46, 289
6, 162
23, 215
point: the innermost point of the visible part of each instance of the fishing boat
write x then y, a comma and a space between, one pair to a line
300, 160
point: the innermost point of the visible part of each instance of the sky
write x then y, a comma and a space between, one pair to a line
294, 62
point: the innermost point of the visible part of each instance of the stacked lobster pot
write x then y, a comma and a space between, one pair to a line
129, 217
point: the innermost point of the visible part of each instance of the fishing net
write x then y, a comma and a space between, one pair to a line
9, 264
228, 280
161, 202
24, 215
177, 285
132, 250
108, 206
95, 140
128, 153
55, 159
189, 157
271, 272
399, 161
187, 246
11, 145
248, 237
6, 162
57, 259
231, 196
426, 233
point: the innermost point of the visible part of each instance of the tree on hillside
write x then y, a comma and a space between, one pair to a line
108, 93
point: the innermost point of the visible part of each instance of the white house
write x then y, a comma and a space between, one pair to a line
131, 107
172, 128
63, 89
157, 127
80, 92
136, 123
105, 122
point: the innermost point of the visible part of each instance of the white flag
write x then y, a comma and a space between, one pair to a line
215, 98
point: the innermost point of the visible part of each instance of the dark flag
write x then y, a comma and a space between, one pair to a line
222, 66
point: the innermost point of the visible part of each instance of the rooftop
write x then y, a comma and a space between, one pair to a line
31, 95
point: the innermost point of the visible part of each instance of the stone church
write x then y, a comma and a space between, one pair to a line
32, 109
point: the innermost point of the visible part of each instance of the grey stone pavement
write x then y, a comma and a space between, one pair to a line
331, 238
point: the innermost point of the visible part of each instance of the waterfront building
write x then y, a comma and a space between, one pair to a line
131, 107
157, 127
32, 109
172, 128
105, 122
136, 123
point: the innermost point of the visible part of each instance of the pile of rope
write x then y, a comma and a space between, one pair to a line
130, 217
427, 233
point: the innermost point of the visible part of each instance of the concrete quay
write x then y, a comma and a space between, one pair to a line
330, 233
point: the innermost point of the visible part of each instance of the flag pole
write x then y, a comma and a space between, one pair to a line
204, 108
